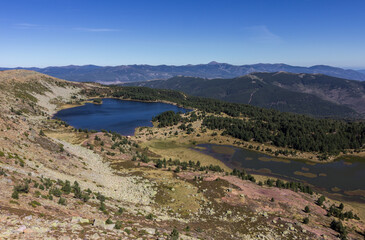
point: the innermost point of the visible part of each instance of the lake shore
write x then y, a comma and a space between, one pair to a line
227, 140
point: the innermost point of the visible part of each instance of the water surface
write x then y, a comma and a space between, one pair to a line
115, 115
339, 177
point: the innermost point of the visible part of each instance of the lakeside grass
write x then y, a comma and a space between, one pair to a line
73, 105
170, 148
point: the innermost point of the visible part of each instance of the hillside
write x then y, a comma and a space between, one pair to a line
58, 182
313, 94
133, 73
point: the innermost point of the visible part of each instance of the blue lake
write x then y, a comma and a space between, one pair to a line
115, 115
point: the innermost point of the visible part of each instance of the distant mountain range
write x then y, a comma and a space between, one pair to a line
133, 73
312, 94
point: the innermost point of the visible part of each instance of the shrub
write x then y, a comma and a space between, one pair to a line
37, 194
120, 211
2, 172
47, 182
320, 200
55, 192
149, 216
159, 164
118, 225
338, 227
341, 206
15, 195
100, 197
66, 188
21, 162
22, 188
62, 201
174, 234
102, 207
108, 221
85, 197
306, 220
144, 158
306, 209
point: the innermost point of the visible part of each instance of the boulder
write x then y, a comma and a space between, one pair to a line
150, 230
99, 223
84, 220
109, 226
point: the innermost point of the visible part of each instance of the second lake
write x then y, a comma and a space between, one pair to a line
342, 178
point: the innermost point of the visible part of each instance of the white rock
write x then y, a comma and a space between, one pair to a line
150, 230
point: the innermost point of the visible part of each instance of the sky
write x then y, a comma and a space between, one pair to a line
40, 33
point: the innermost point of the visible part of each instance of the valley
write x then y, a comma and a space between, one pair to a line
58, 181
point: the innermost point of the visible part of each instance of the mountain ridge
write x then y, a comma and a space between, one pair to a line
144, 72
361, 71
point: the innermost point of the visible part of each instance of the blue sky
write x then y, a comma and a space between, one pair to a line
298, 32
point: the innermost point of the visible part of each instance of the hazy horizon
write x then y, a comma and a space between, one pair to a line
162, 64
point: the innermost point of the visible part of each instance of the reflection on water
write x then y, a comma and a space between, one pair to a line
334, 177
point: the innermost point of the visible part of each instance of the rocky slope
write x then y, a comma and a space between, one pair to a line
58, 182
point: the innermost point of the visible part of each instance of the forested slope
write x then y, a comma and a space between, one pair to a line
316, 95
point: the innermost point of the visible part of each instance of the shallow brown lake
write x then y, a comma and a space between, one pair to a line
340, 177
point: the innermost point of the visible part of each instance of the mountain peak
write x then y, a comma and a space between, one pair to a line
213, 63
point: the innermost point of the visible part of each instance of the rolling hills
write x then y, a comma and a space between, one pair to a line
132, 73
312, 94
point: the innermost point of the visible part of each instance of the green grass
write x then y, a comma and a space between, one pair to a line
34, 204
166, 145
351, 158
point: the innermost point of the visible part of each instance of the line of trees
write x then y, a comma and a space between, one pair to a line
303, 134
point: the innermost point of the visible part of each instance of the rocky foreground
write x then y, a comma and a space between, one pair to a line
57, 182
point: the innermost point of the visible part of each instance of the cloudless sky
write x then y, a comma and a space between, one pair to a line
175, 32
